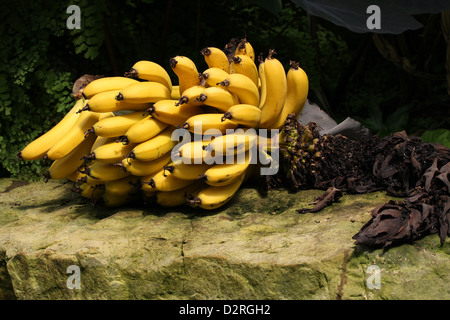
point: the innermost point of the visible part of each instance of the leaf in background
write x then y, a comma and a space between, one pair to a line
441, 136
273, 6
395, 14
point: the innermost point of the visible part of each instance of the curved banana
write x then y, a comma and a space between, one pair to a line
296, 95
226, 173
193, 152
39, 146
177, 198
151, 71
99, 141
245, 48
168, 112
163, 181
175, 93
116, 126
186, 71
243, 87
64, 167
213, 197
245, 65
276, 87
111, 152
144, 168
127, 185
106, 84
233, 143
216, 58
218, 98
155, 147
213, 76
84, 178
143, 130
113, 200
106, 102
74, 136
190, 95
144, 92
91, 192
201, 123
244, 114
105, 171
186, 171
262, 83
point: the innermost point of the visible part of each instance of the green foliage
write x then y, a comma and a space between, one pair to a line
441, 136
40, 59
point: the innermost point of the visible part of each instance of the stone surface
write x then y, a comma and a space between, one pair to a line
254, 248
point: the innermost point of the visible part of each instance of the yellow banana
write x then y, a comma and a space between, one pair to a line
175, 93
245, 65
62, 168
113, 200
190, 95
84, 178
245, 48
143, 130
91, 192
216, 58
213, 76
151, 71
163, 181
244, 114
213, 197
39, 147
218, 98
201, 123
193, 152
155, 147
106, 84
105, 171
296, 95
111, 152
74, 136
143, 92
127, 185
186, 71
116, 126
187, 171
262, 83
106, 102
226, 173
144, 168
243, 87
177, 198
168, 112
276, 87
99, 141
233, 143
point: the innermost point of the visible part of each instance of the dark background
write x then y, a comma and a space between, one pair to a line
389, 82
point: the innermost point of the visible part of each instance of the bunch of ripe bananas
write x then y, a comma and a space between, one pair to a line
117, 142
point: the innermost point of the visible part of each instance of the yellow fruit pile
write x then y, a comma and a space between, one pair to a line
138, 135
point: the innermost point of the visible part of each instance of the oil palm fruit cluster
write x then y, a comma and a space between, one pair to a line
121, 141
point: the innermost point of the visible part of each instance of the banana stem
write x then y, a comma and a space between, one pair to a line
119, 97
226, 116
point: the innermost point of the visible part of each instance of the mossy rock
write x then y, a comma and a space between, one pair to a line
256, 247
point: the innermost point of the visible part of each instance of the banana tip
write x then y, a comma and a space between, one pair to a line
173, 62
205, 51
